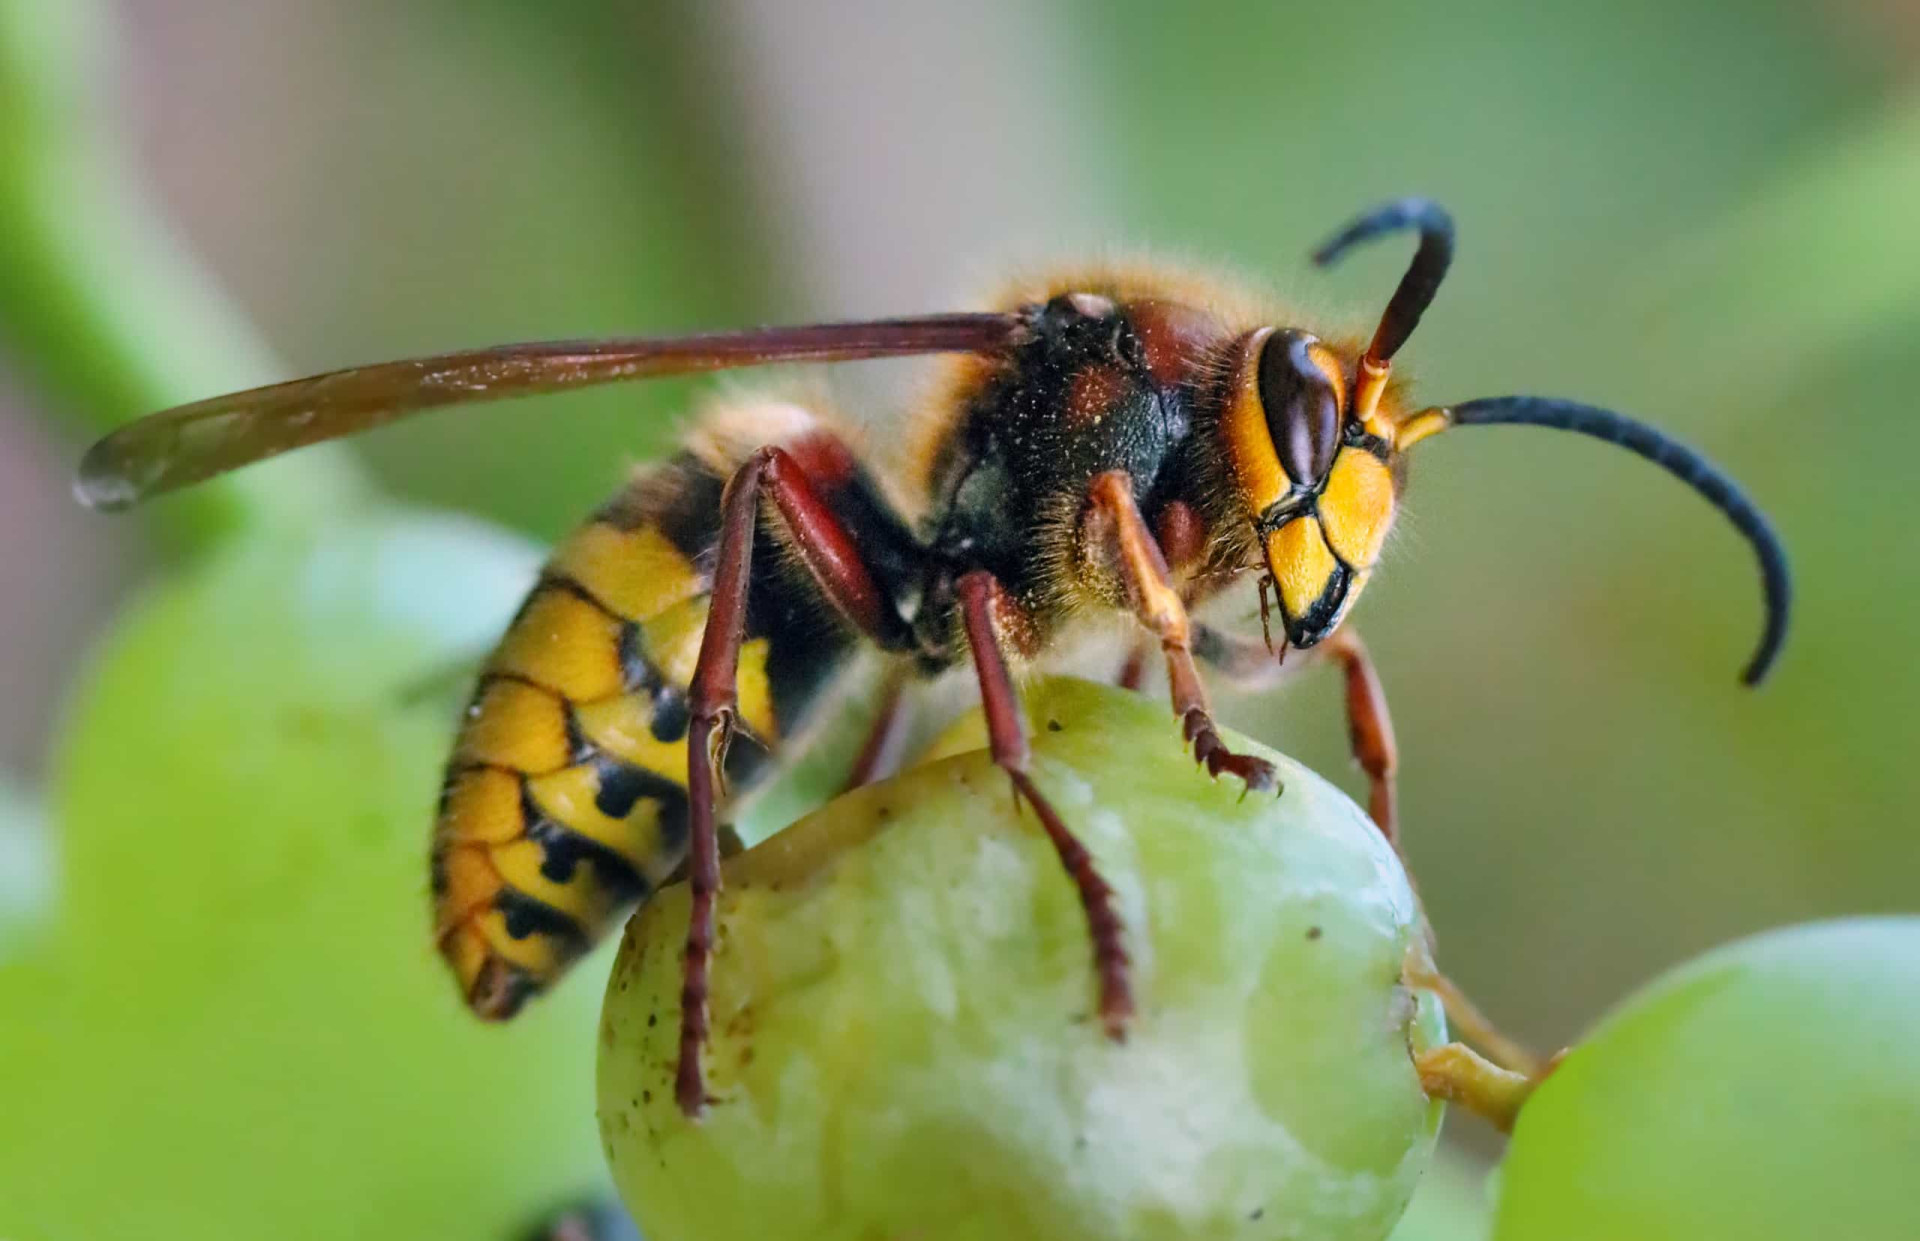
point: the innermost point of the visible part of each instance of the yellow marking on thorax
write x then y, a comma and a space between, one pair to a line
513, 724
638, 573
564, 642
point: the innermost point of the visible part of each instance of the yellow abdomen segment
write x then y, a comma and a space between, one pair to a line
565, 800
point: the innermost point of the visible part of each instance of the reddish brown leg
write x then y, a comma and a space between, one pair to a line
1370, 728
983, 605
827, 549
880, 754
1133, 672
1182, 539
1115, 523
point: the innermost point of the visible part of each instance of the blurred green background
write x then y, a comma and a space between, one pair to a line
1702, 214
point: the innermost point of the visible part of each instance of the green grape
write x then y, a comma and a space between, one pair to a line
1770, 1089
1451, 1203
236, 1025
904, 1044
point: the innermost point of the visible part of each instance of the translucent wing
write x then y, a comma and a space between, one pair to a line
190, 443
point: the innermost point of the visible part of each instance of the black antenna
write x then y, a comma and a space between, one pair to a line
1683, 463
1429, 267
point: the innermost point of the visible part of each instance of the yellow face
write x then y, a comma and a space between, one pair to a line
1315, 478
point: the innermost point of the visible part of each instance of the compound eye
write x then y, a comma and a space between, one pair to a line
1302, 403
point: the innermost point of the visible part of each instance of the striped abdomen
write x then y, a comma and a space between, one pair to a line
565, 800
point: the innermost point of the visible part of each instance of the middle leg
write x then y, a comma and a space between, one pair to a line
982, 600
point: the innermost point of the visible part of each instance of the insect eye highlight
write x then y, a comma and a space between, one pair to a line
1302, 405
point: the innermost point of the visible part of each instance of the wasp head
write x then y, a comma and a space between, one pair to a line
1313, 468
1313, 448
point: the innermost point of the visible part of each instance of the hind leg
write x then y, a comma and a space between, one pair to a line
824, 544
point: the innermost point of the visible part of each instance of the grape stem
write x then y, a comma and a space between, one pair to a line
1491, 1086
1473, 1026
1460, 1075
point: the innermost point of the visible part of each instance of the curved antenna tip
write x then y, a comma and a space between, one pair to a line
1685, 464
1421, 214
1779, 592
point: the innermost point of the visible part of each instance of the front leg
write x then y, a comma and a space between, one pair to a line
1116, 532
1248, 664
